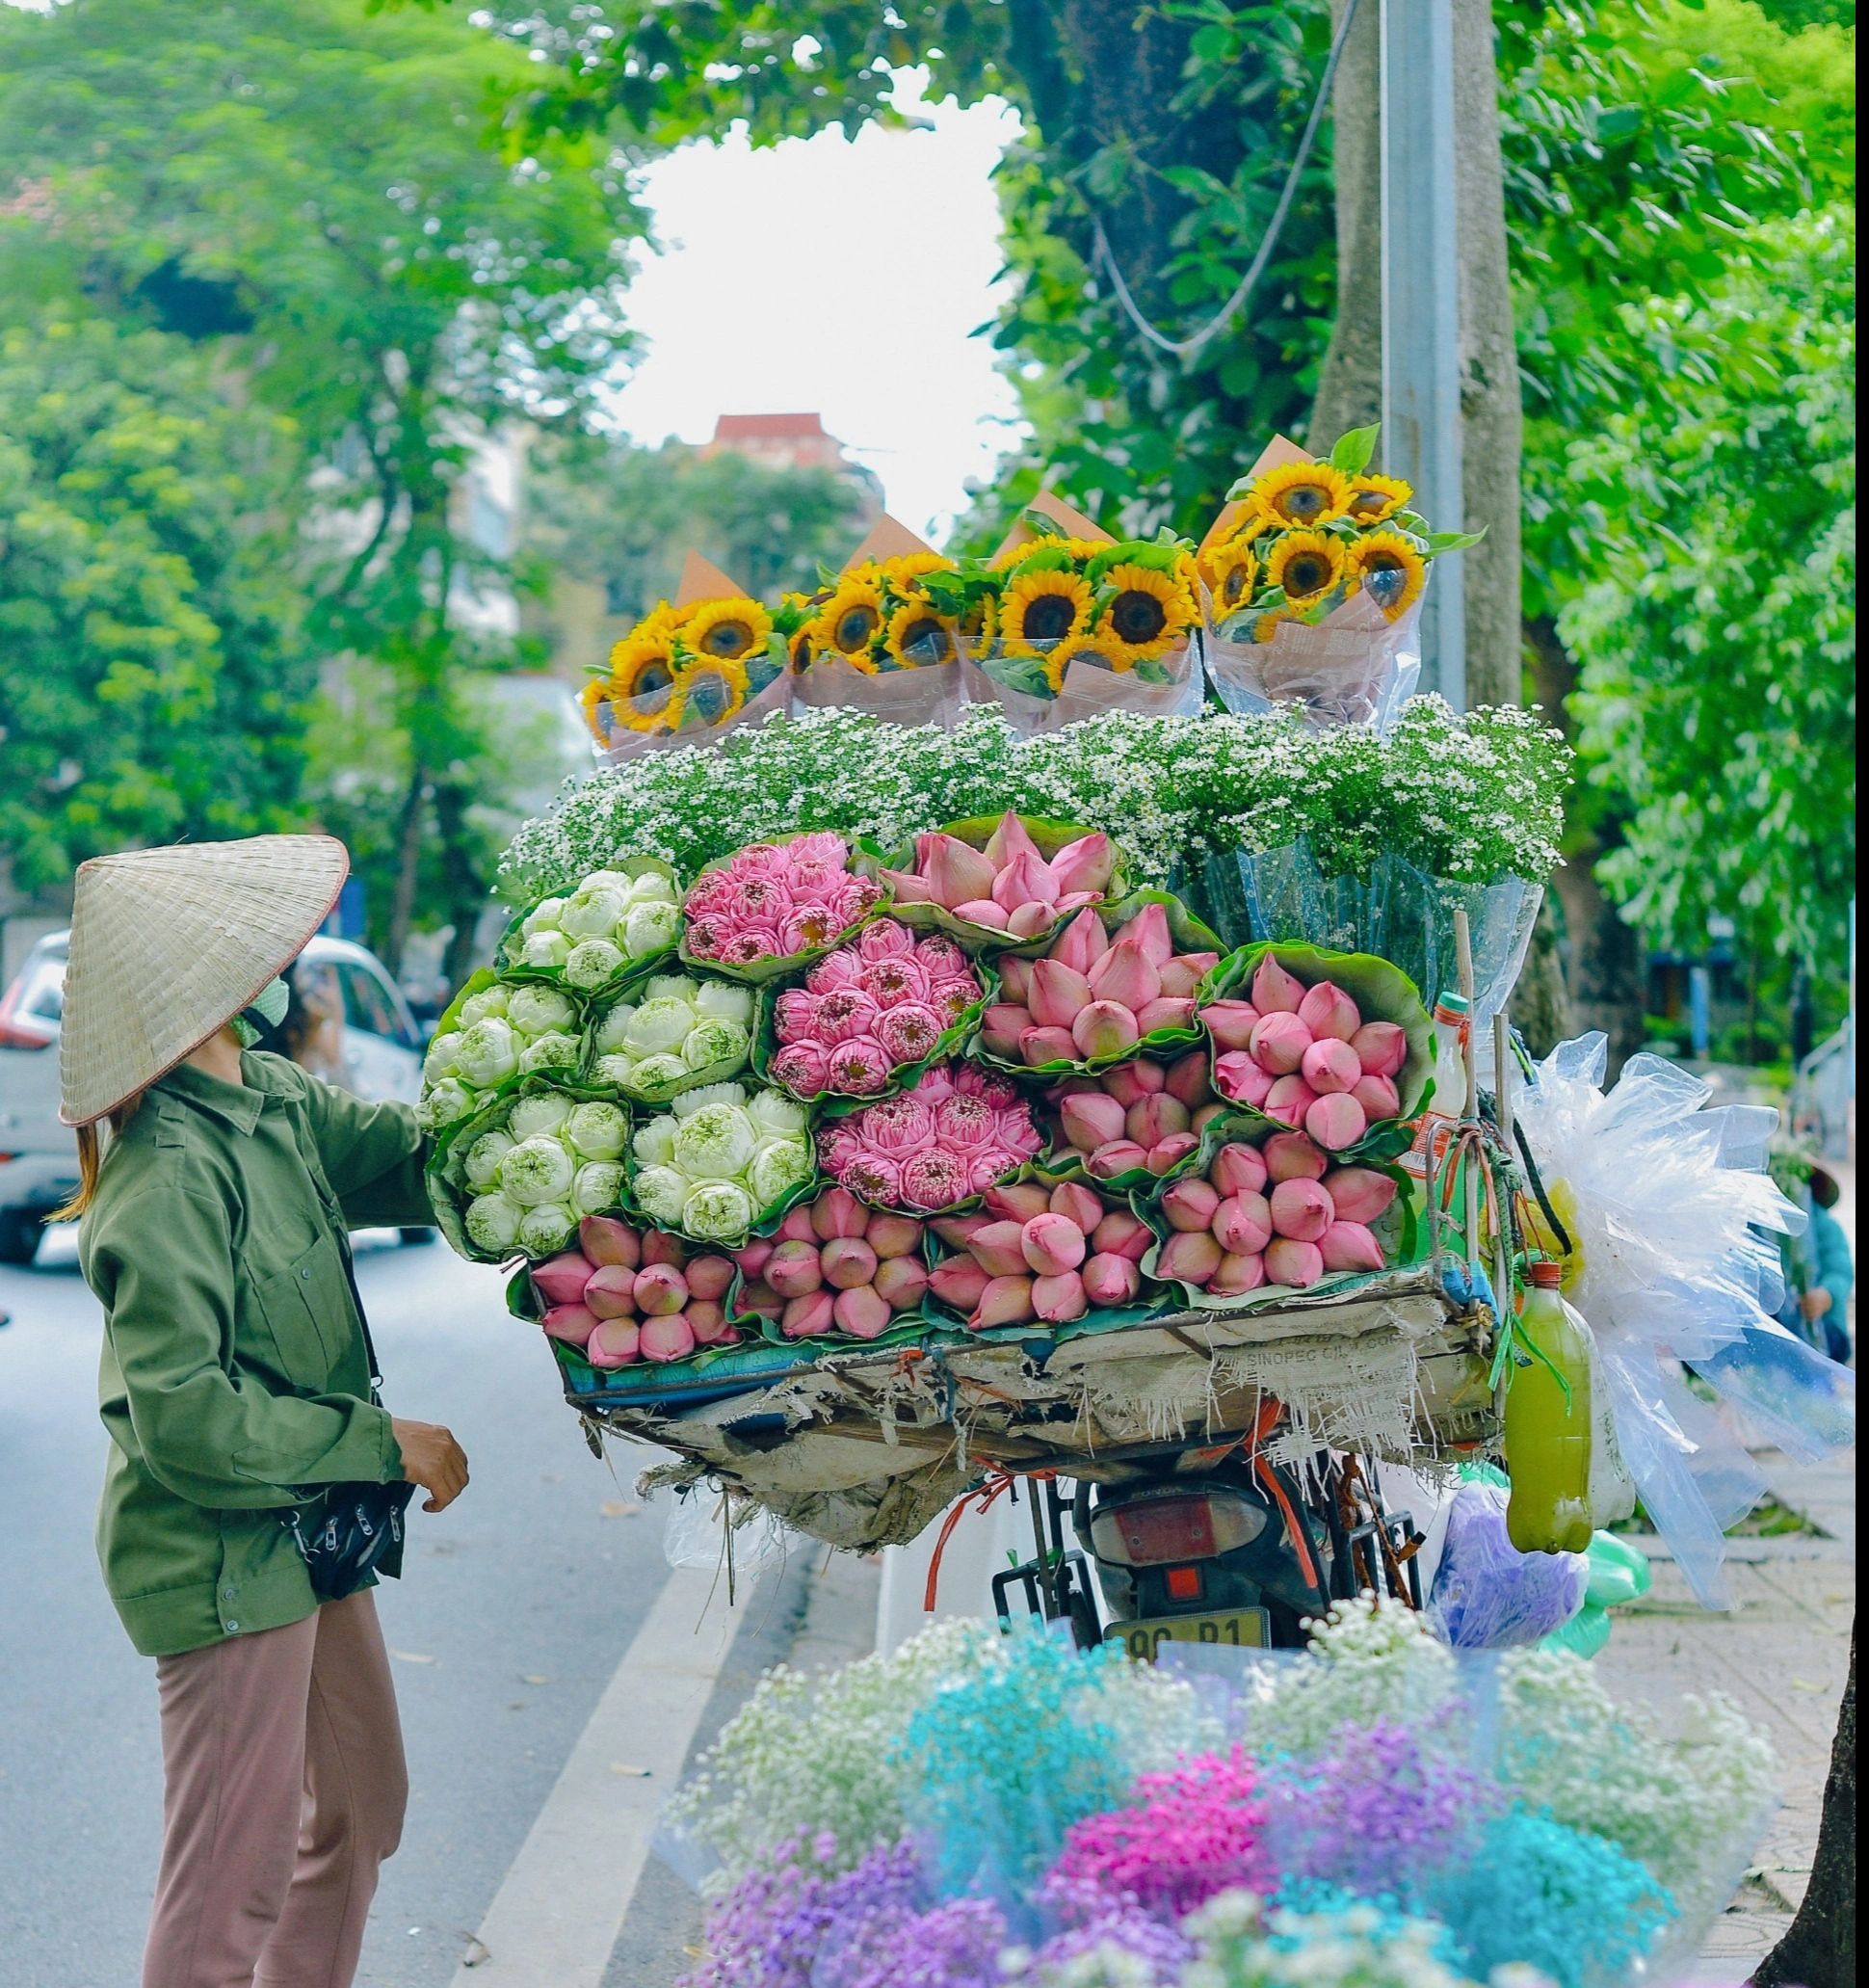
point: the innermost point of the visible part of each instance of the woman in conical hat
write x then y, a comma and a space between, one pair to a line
216, 1188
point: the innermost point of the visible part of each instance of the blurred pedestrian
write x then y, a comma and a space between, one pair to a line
1819, 1271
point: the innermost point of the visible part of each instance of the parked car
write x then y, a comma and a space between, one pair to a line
348, 1022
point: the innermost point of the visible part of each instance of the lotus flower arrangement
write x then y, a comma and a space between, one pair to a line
835, 1268
870, 1009
774, 901
1092, 998
1008, 887
671, 1034
555, 1160
1039, 1253
615, 919
952, 1136
500, 1033
1141, 1116
624, 1294
717, 1159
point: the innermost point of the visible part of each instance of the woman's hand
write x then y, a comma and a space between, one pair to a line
433, 1458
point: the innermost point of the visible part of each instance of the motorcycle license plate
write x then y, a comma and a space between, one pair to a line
1239, 1629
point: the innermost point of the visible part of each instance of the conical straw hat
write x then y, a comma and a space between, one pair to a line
168, 943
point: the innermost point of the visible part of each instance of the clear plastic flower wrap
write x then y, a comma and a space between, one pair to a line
1487, 1595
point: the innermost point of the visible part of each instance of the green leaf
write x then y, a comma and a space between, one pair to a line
1353, 450
1454, 542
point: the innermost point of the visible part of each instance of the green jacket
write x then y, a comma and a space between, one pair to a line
233, 1370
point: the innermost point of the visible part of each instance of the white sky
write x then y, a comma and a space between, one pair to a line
839, 278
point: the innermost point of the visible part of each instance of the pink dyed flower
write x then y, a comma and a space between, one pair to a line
795, 1015
821, 846
872, 1174
889, 982
988, 1085
909, 1032
992, 1163
943, 959
855, 896
801, 1067
841, 968
898, 1125
952, 998
1015, 1129
759, 860
710, 892
843, 1013
885, 939
932, 1085
811, 926
837, 1144
965, 1125
858, 1067
933, 1180
746, 944
707, 936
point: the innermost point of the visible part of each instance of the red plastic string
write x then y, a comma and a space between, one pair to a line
998, 1483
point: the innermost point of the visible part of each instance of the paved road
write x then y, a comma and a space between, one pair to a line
517, 1606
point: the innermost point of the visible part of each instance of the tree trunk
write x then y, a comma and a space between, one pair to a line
1350, 383
464, 887
408, 858
1820, 1948
1540, 1004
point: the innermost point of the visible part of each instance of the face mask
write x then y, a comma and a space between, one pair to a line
270, 1005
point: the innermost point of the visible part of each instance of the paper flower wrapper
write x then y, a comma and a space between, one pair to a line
931, 694
1355, 667
625, 741
1088, 690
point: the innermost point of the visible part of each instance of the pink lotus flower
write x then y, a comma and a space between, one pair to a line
958, 1282
844, 1013
1105, 1028
759, 860
1115, 1156
1328, 1011
1274, 991
983, 911
965, 1125
1091, 1119
812, 881
809, 927
911, 1032
1329, 1065
1009, 840
896, 978
943, 958
1149, 931
1279, 1042
795, 1015
1060, 1298
898, 1125
1301, 1209
1289, 1099
1031, 921
885, 939
1086, 864
991, 1163
1358, 1194
841, 968
1079, 945
1381, 1047
1004, 1301
1165, 1012
707, 936
1016, 1131
1378, 1096
1111, 1280
837, 1145
1293, 1264
1335, 1122
933, 1180
1001, 1026
873, 1175
822, 845
1242, 1224
1230, 1023
573, 1323
1058, 995
710, 892
952, 998
1350, 1246
1183, 974
1038, 1046
858, 1067
746, 944
988, 1085
561, 1280
1237, 1077
1190, 1257
1127, 975
760, 901
1238, 1169
1025, 880
956, 873
905, 887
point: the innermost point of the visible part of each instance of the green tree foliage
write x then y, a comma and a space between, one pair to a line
154, 679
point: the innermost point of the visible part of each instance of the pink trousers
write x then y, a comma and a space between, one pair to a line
283, 1791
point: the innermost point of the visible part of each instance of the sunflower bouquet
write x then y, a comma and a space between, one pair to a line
689, 671
1311, 581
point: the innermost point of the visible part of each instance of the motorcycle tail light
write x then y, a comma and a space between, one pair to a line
1154, 1530
1184, 1584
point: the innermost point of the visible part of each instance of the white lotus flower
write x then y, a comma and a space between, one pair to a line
657, 1075
778, 1167
493, 1222
654, 1143
711, 1042
606, 879
446, 1103
660, 1192
545, 918
544, 1111
597, 1185
482, 1165
620, 1068
596, 1131
551, 1052
709, 1094
715, 1143
487, 1053
722, 1001
548, 1228
592, 914
536, 1010
649, 927
679, 985
613, 1032
591, 963
660, 1024
652, 888
545, 950
777, 1117
718, 1210
489, 1001
439, 1062
537, 1169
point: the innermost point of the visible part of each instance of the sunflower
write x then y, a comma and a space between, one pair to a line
1391, 568
1266, 625
642, 666
1231, 572
850, 620
1043, 606
1149, 610
981, 622
801, 647
723, 629
1302, 492
1306, 565
917, 626
711, 690
1372, 499
1101, 651
903, 571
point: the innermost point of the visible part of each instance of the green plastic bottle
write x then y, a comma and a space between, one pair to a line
1548, 1436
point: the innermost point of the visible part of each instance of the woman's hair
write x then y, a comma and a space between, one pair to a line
91, 1151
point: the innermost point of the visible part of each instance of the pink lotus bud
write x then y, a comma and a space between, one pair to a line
837, 1211
848, 1261
863, 1310
1238, 1274
1126, 974
1289, 1099
1279, 1042
1230, 1023
660, 1247
757, 1295
1149, 930
1293, 1264
1118, 1157
1330, 1066
1378, 1096
616, 1343
1205, 1116
1328, 1011
1052, 1244
1019, 1201
893, 1235
803, 1067
1080, 944
666, 1337
1042, 1046
1121, 1234
958, 1282
753, 1259
1291, 1156
797, 1225
1111, 1280
1058, 995
1239, 1079
957, 1231
604, 1240
1381, 1047
1001, 1026
1058, 1299
561, 1280
1077, 1204
1009, 838
900, 1282
1190, 1256
1242, 1224
1187, 1079
794, 1268
660, 1291
708, 1323
1014, 978
1155, 1118
572, 1323
807, 1317
907, 889
983, 911
1301, 1209
1086, 864
955, 873
610, 1291
1026, 880
1360, 1194
1006, 1301
1350, 1246
1274, 990
1183, 974
1164, 1013
1168, 1153
1028, 920
1189, 1205
997, 1249
1090, 1119
1105, 1028
1238, 1169
1131, 1082
1336, 1122
708, 1278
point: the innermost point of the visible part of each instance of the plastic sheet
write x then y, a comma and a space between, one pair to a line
1486, 1594
698, 1521
1355, 667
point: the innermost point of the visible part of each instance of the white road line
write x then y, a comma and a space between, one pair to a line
557, 1914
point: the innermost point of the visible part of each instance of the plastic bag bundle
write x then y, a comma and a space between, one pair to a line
1673, 1260
1486, 1594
